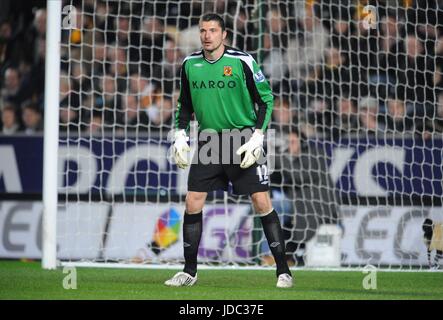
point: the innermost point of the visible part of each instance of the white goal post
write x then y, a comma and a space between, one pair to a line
50, 192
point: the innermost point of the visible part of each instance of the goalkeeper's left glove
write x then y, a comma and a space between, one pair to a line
253, 149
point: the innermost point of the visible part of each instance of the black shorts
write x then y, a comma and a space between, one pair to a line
216, 173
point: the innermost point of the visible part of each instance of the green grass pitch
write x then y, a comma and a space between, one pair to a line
26, 280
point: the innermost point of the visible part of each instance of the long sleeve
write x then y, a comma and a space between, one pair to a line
260, 92
185, 109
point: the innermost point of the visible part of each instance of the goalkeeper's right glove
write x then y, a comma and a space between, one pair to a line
180, 148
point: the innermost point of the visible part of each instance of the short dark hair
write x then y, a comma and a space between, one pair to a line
29, 104
8, 107
214, 17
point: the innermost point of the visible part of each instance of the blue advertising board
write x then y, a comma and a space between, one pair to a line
358, 167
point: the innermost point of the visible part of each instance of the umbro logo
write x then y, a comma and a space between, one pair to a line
198, 65
274, 244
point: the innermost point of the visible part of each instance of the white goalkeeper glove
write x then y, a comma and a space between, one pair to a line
180, 148
253, 149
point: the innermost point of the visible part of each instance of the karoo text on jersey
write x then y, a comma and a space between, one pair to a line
213, 84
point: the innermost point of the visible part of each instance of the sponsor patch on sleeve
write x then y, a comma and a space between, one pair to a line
259, 77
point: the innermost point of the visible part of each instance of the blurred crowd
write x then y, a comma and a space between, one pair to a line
332, 73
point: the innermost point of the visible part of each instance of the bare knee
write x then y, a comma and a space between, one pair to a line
195, 201
262, 202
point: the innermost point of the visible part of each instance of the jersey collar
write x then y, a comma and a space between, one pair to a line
214, 61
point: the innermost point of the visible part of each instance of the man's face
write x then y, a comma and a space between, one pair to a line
396, 108
389, 26
67, 115
282, 112
333, 57
5, 31
413, 46
8, 118
12, 80
211, 35
341, 26
108, 85
345, 107
131, 103
294, 144
31, 118
171, 52
123, 25
40, 21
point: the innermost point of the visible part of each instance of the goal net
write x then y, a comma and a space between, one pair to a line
356, 132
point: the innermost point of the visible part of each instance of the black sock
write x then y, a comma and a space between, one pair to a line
276, 241
192, 231
438, 256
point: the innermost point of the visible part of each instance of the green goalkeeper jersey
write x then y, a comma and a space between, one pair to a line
223, 94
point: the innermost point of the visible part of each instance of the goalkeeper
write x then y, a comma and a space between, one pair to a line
220, 86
